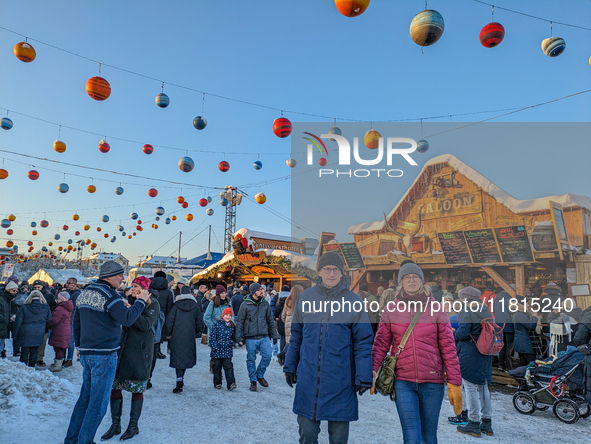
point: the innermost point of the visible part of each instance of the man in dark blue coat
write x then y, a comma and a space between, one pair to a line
329, 368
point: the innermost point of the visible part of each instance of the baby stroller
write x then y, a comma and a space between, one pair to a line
558, 384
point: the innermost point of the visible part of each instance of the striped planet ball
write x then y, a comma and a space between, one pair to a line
77, 233
120, 227
185, 204
63, 188
427, 27
30, 243
9, 244
3, 173
553, 46
422, 146
118, 191
59, 146
24, 52
113, 239
91, 189
351, 8
372, 139
66, 228
98, 88
167, 220
200, 122
152, 192
335, 130
162, 100
322, 161
148, 149
173, 217
5, 223
282, 127
5, 123
209, 211
189, 217
260, 198
134, 216
106, 235
104, 147
257, 165
33, 175
186, 164
159, 211
9, 232
105, 218
223, 166
203, 202
492, 34
99, 229
209, 199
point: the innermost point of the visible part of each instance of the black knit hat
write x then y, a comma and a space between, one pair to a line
363, 287
285, 288
160, 273
110, 269
331, 258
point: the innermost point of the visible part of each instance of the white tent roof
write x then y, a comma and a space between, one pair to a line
52, 275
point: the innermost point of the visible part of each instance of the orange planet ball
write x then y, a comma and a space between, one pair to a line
86, 227
99, 229
24, 52
180, 199
60, 248
91, 189
173, 217
351, 8
189, 217
87, 242
372, 139
3, 174
98, 88
75, 217
9, 244
59, 146
152, 192
34, 233
50, 244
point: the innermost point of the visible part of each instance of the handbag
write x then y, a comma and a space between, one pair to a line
387, 371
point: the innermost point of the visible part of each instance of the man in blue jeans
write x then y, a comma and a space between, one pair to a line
100, 312
72, 288
255, 326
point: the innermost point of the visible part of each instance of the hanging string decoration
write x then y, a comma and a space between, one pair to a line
553, 46
351, 8
200, 122
148, 149
282, 127
223, 166
152, 192
162, 100
59, 146
427, 27
24, 52
492, 35
186, 164
98, 88
5, 123
422, 146
33, 175
103, 146
372, 139
260, 198
257, 165
63, 188
119, 191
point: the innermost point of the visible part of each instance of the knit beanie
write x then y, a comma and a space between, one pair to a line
170, 278
11, 285
63, 296
142, 281
410, 268
331, 258
253, 287
285, 288
110, 269
160, 273
363, 287
219, 289
227, 311
469, 293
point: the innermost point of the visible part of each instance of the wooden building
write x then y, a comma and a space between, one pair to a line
449, 200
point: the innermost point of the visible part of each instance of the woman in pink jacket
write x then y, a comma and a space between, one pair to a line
428, 360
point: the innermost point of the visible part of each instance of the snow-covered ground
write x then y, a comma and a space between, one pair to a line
41, 405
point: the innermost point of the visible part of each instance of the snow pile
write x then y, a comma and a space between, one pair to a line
26, 391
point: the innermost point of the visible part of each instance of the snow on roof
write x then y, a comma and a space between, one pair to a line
61, 275
515, 205
157, 260
246, 233
104, 256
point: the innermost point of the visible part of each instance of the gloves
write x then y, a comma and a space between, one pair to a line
454, 393
291, 379
361, 390
373, 387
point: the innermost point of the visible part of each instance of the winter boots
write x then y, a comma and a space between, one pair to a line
134, 416
3, 354
263, 382
68, 363
115, 428
56, 366
486, 427
204, 339
472, 428
461, 419
179, 387
253, 386
211, 366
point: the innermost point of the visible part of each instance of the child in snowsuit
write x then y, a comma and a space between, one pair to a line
60, 325
221, 341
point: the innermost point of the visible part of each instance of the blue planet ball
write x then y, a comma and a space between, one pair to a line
209, 199
69, 241
157, 218
57, 237
113, 239
118, 191
44, 249
257, 165
33, 224
120, 227
105, 218
186, 164
209, 212
5, 123
223, 202
167, 221
134, 216
199, 122
63, 188
422, 146
162, 100
553, 46
5, 223
123, 233
159, 211
335, 130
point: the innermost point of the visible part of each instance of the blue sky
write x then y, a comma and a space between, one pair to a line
297, 56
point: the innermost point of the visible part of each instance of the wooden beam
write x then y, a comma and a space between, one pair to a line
520, 280
361, 276
499, 280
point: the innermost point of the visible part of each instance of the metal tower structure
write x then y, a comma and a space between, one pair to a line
230, 199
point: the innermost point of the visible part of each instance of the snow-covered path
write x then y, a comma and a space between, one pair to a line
202, 414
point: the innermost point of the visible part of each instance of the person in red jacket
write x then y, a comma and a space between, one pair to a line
60, 325
428, 360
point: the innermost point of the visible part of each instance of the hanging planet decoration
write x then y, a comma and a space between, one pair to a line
260, 198
9, 244
372, 139
223, 166
105, 218
34, 232
152, 192
162, 100
3, 174
159, 211
134, 216
553, 46
33, 224
148, 149
98, 88
33, 175
44, 224
76, 233
9, 232
186, 164
209, 212
63, 188
209, 199
59, 146
129, 237
282, 127
69, 241
24, 52
113, 239
106, 235
189, 217
103, 146
139, 228
75, 217
180, 199
5, 223
173, 217
291, 163
120, 227
11, 217
351, 8
167, 221
257, 165
30, 243
118, 191
199, 122
99, 229
492, 34
123, 233
203, 202
322, 161
91, 189
5, 123
427, 27
224, 202
65, 228
422, 146
157, 218
86, 227
335, 130
57, 237
185, 204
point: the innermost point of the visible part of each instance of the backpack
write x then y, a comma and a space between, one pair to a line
490, 341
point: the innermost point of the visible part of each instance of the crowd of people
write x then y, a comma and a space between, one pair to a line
330, 357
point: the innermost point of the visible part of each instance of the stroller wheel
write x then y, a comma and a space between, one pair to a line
584, 409
566, 410
524, 403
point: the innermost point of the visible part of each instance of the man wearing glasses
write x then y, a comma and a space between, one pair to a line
329, 354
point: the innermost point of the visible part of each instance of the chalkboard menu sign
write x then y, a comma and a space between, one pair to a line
454, 247
352, 256
483, 246
514, 244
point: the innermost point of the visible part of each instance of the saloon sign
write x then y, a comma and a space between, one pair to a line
453, 205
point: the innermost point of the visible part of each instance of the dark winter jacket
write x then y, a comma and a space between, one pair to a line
74, 295
373, 310
582, 337
30, 323
283, 295
255, 320
475, 367
183, 324
165, 296
502, 311
524, 324
437, 293
5, 313
204, 304
549, 297
221, 339
236, 302
329, 354
60, 325
98, 317
136, 348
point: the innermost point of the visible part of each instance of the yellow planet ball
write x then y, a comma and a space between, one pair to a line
372, 139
